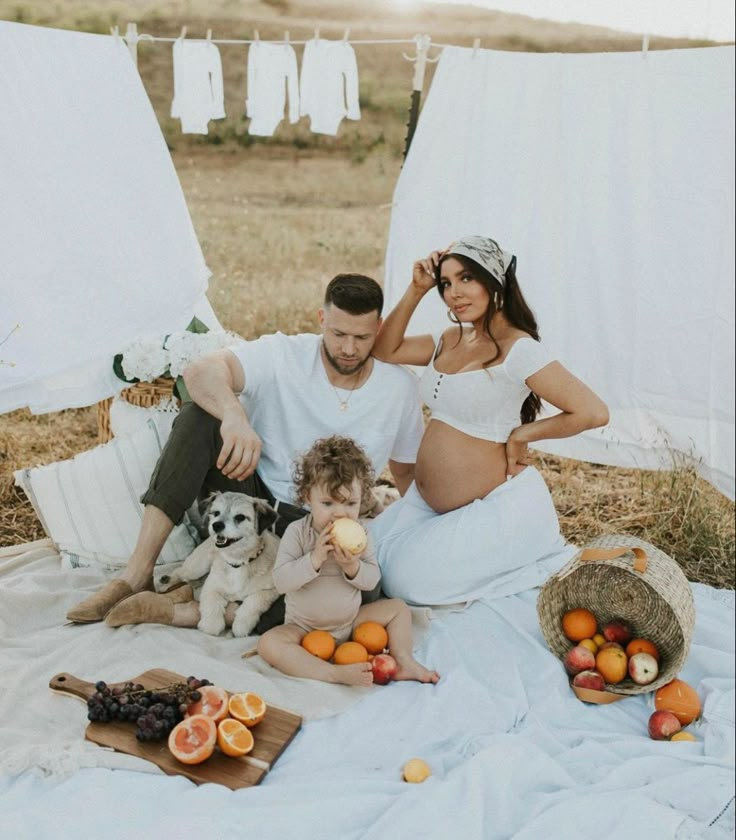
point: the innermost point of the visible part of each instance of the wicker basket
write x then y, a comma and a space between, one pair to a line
656, 600
142, 394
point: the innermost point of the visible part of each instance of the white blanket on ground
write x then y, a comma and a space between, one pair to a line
514, 753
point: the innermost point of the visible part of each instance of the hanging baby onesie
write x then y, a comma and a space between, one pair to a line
269, 66
198, 89
328, 87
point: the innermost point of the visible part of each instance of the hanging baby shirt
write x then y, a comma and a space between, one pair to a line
198, 89
269, 66
328, 87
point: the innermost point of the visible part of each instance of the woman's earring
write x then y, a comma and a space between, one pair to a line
498, 301
449, 316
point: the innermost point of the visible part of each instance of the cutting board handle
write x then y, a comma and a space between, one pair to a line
67, 684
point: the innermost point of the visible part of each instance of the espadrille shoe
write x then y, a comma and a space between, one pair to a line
148, 607
96, 606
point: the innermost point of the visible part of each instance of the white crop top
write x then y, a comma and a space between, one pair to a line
484, 403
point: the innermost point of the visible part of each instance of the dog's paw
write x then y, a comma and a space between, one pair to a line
212, 625
243, 626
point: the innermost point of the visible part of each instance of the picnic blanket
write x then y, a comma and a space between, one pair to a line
513, 752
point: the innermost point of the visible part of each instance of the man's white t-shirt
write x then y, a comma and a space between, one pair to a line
291, 403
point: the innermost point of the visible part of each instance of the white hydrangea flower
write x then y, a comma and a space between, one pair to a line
145, 360
185, 347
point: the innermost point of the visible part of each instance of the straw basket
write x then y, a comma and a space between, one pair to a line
620, 576
142, 394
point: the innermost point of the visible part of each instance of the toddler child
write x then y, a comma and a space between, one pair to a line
322, 583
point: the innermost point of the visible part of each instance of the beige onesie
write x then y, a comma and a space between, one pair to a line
324, 600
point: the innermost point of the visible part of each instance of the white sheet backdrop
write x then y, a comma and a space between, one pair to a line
611, 176
96, 243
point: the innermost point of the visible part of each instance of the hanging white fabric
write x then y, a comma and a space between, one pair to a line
328, 85
272, 75
611, 177
96, 246
198, 85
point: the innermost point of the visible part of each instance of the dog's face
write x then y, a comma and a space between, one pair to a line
235, 518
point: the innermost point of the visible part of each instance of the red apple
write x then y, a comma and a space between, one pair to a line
643, 668
384, 668
619, 631
579, 659
663, 725
589, 679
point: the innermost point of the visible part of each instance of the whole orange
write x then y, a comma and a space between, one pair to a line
642, 646
679, 698
612, 663
319, 643
372, 636
349, 653
579, 624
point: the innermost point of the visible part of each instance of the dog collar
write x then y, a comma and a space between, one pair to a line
249, 560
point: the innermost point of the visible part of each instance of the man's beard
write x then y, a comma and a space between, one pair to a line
341, 369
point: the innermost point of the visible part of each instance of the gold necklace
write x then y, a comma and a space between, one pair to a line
344, 403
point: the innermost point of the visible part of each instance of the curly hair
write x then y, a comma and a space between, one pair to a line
333, 462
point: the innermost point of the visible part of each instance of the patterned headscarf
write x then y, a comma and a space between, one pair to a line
486, 252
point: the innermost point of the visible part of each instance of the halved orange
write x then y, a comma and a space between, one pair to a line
212, 703
234, 737
247, 707
192, 741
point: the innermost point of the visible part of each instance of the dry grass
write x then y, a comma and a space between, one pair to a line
277, 218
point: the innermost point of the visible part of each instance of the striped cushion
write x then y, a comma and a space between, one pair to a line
89, 505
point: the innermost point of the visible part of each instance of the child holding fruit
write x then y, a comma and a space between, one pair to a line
322, 565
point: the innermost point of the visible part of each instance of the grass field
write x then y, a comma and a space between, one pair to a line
278, 217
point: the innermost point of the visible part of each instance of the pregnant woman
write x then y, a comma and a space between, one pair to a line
478, 520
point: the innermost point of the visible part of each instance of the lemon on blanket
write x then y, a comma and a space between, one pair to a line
416, 770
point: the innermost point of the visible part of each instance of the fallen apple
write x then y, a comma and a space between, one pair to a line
619, 631
589, 679
643, 668
384, 668
663, 725
578, 659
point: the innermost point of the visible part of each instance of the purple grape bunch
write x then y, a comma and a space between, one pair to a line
155, 712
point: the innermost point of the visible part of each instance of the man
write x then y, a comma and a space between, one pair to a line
256, 407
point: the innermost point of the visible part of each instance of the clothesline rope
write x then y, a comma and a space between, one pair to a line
236, 41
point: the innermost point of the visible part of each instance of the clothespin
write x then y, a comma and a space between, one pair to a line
256, 36
316, 33
115, 33
286, 37
346, 35
476, 46
644, 46
209, 35
183, 33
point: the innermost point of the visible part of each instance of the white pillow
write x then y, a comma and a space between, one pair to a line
126, 419
90, 505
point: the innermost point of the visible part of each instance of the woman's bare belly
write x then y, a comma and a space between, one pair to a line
453, 468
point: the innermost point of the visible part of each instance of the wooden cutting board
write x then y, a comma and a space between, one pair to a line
272, 735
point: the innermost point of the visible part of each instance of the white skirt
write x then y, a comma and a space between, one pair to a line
502, 544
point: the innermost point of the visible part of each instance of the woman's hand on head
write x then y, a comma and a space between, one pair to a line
423, 276
517, 456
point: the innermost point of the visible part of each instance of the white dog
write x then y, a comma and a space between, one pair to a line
239, 554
